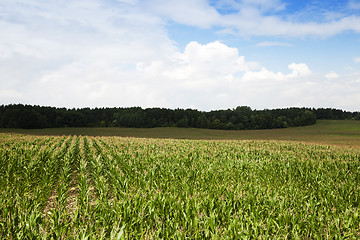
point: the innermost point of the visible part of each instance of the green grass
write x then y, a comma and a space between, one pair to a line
334, 132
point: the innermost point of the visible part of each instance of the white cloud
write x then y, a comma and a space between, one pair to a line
273, 44
87, 53
252, 18
128, 1
298, 70
195, 13
215, 75
357, 59
331, 16
274, 26
199, 66
78, 54
355, 5
332, 75
261, 5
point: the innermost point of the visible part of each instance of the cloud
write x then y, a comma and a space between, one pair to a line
258, 25
273, 44
195, 13
78, 54
128, 1
354, 5
357, 59
332, 75
261, 5
214, 75
252, 18
200, 66
298, 70
93, 53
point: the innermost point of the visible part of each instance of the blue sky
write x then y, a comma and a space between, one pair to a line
202, 54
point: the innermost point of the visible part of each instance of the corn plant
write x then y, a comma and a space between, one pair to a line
129, 188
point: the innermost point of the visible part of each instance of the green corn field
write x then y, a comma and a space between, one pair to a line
76, 187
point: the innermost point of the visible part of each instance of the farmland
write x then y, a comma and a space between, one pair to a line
93, 187
327, 132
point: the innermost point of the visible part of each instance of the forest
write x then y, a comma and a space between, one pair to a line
239, 118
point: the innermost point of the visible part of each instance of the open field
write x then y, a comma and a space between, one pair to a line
74, 187
334, 132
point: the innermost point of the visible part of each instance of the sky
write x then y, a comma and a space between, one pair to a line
200, 54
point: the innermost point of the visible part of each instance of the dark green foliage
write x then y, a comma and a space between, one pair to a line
335, 114
32, 117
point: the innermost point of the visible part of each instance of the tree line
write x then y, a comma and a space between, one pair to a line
242, 117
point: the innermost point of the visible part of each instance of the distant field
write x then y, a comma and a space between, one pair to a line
334, 132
